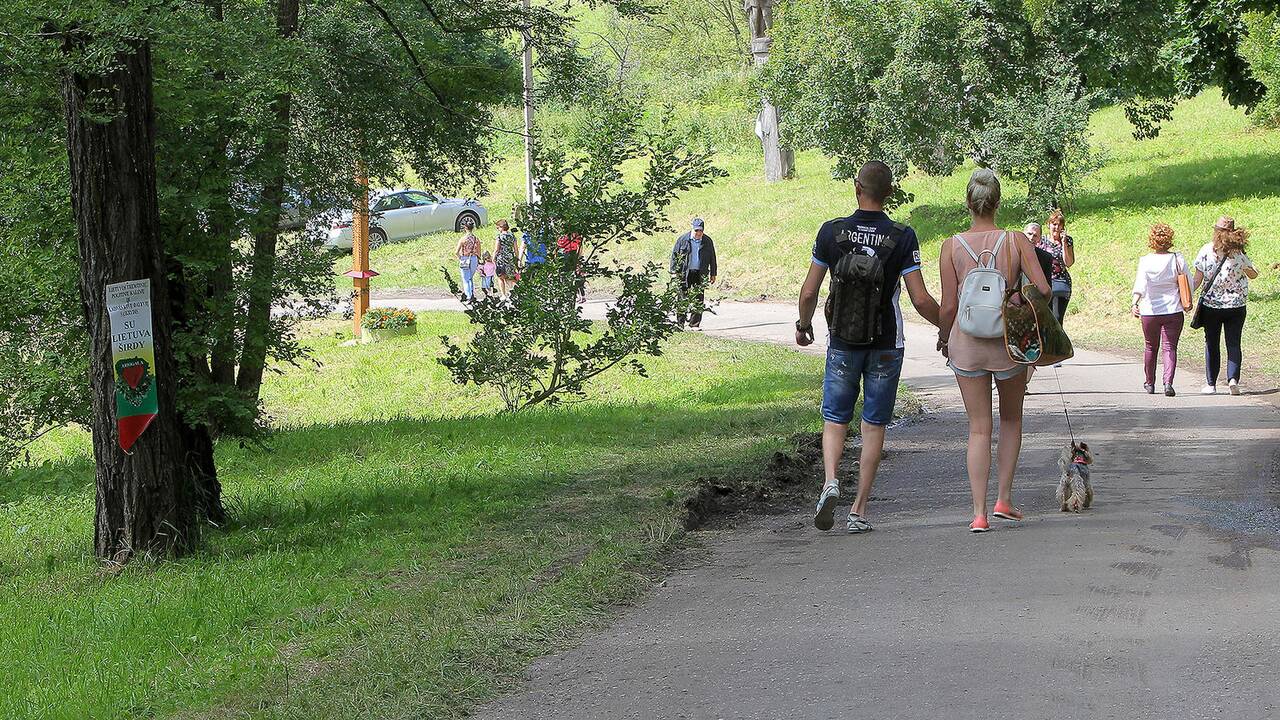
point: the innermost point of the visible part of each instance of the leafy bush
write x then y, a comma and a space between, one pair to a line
1261, 47
388, 319
535, 346
1042, 140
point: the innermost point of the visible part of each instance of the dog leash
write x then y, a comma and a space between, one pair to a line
1062, 396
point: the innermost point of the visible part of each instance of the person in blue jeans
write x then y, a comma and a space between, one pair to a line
876, 367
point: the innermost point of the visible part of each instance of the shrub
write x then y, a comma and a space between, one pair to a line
388, 319
1261, 47
535, 346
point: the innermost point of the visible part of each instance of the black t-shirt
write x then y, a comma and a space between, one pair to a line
868, 230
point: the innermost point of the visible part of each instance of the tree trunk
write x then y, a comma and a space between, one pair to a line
222, 356
145, 497
253, 358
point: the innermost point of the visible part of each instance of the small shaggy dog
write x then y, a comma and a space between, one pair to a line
1074, 491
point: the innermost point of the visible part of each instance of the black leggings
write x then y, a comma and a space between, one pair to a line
1058, 304
1217, 320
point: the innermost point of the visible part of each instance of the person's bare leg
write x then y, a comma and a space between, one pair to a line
1011, 392
833, 437
976, 393
868, 464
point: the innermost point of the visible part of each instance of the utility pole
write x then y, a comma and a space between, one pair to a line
529, 190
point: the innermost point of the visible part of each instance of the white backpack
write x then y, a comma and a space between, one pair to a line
982, 294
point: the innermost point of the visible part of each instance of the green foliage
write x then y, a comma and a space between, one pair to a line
690, 56
1042, 141
1261, 48
243, 110
929, 84
43, 346
535, 346
388, 318
1211, 50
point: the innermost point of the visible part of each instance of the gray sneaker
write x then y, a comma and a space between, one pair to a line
824, 518
857, 524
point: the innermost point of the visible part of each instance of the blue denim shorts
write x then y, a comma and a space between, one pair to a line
878, 371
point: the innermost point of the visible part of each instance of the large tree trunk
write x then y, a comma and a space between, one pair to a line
144, 498
253, 358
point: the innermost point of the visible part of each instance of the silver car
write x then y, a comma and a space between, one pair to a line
401, 214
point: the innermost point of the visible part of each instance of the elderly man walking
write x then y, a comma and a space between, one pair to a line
693, 260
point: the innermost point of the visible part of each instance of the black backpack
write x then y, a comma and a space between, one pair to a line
856, 305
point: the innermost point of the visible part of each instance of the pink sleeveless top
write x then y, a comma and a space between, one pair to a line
966, 351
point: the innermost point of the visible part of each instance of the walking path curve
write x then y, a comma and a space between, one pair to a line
1162, 601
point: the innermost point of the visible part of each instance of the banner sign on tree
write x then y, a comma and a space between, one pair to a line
133, 357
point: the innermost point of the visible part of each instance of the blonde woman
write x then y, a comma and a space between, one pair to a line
1158, 303
978, 361
1062, 248
1225, 270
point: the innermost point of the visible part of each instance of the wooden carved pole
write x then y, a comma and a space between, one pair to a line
779, 161
360, 272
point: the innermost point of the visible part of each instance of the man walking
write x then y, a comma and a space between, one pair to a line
693, 260
867, 254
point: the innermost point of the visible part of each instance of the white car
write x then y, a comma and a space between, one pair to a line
401, 214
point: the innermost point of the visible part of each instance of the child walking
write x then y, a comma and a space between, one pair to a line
488, 271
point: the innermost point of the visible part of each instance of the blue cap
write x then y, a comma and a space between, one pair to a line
698, 224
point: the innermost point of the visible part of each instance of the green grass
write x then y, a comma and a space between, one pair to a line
1206, 162
399, 549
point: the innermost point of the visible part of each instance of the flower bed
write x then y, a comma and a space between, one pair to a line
380, 323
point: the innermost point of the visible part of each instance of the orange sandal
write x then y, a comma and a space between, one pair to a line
979, 524
1007, 512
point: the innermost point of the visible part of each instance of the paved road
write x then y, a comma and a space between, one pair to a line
1161, 602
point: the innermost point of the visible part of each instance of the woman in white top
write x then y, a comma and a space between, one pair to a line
1226, 272
1158, 302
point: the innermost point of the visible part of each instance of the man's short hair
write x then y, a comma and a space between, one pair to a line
876, 180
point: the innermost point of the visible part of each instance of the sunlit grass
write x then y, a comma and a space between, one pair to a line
399, 549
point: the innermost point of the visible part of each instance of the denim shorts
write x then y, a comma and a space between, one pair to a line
878, 372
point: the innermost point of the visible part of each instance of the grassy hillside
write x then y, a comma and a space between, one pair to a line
1206, 162
396, 541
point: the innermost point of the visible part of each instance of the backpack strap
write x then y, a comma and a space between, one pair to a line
995, 251
896, 233
967, 248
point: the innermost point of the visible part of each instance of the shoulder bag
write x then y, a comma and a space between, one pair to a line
1033, 335
1197, 317
1184, 282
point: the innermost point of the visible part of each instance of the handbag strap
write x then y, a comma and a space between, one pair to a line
1209, 283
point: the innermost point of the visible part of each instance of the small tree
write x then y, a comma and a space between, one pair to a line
535, 346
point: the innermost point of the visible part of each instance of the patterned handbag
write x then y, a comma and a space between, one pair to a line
1055, 346
1021, 329
1032, 335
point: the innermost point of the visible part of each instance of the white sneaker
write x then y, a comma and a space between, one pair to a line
1208, 390
1234, 386
824, 518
